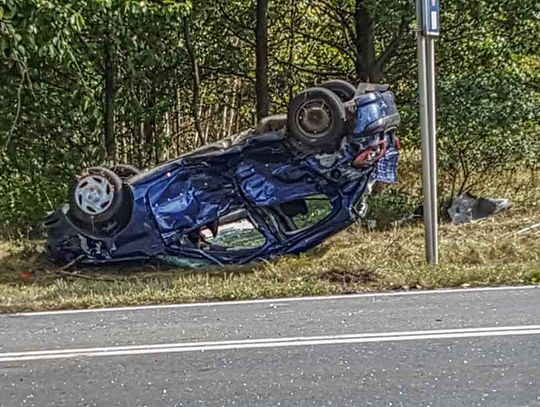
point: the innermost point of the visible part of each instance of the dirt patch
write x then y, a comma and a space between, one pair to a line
362, 275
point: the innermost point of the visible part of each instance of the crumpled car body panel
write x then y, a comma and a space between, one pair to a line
257, 175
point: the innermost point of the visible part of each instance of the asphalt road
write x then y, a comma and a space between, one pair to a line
449, 348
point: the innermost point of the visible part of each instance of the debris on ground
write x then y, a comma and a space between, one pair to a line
407, 220
467, 208
529, 229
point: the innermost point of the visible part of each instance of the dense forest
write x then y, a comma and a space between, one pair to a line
119, 81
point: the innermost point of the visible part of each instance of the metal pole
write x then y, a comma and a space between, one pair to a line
426, 89
432, 127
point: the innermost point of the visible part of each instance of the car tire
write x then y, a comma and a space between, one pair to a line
125, 171
343, 89
98, 201
316, 121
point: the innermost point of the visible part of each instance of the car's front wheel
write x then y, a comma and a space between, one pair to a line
316, 121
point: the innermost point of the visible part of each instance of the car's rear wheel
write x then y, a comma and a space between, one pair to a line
98, 201
343, 89
125, 171
316, 121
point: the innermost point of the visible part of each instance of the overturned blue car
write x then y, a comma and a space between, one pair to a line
281, 188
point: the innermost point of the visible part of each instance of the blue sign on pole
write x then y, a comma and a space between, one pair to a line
431, 17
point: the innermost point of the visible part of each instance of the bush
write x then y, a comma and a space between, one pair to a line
390, 205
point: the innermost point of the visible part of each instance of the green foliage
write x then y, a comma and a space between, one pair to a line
488, 121
489, 112
55, 56
51, 76
488, 96
391, 205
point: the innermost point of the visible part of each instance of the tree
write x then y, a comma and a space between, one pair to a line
109, 89
261, 51
87, 82
196, 80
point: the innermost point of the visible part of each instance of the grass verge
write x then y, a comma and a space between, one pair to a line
481, 254
490, 252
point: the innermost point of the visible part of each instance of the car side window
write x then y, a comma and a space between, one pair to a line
234, 231
300, 214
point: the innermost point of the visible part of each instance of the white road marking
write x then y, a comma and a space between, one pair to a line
275, 300
270, 343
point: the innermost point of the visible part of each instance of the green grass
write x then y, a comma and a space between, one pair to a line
486, 253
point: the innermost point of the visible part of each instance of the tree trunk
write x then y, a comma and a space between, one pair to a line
196, 81
367, 69
292, 43
261, 56
234, 111
108, 110
238, 111
149, 128
139, 136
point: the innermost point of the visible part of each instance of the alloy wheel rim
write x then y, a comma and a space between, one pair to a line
94, 194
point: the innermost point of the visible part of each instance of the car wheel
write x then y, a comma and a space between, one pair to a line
316, 121
98, 200
125, 171
343, 89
